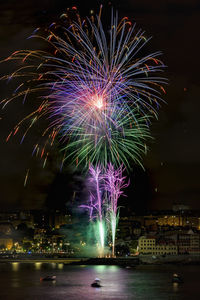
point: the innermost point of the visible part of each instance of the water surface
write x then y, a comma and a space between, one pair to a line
22, 281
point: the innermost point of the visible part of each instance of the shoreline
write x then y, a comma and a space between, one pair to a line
125, 262
41, 260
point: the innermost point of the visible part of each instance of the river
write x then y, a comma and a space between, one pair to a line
22, 281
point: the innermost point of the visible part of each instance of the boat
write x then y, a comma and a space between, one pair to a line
96, 283
177, 278
48, 278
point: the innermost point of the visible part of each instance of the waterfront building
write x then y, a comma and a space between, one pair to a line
61, 219
17, 217
150, 245
189, 243
6, 242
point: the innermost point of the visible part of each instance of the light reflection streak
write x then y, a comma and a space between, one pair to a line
60, 266
38, 265
15, 266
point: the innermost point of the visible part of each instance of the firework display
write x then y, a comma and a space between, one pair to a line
96, 204
114, 185
105, 186
98, 95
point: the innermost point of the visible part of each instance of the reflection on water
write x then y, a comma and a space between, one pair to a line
60, 266
103, 268
15, 266
38, 265
100, 269
175, 286
73, 282
53, 265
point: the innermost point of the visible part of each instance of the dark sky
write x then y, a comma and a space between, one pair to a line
173, 162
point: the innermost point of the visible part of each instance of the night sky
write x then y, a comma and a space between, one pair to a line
173, 162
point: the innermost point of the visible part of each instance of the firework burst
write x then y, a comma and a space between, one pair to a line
99, 93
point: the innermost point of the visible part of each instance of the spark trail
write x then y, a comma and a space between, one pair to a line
114, 183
